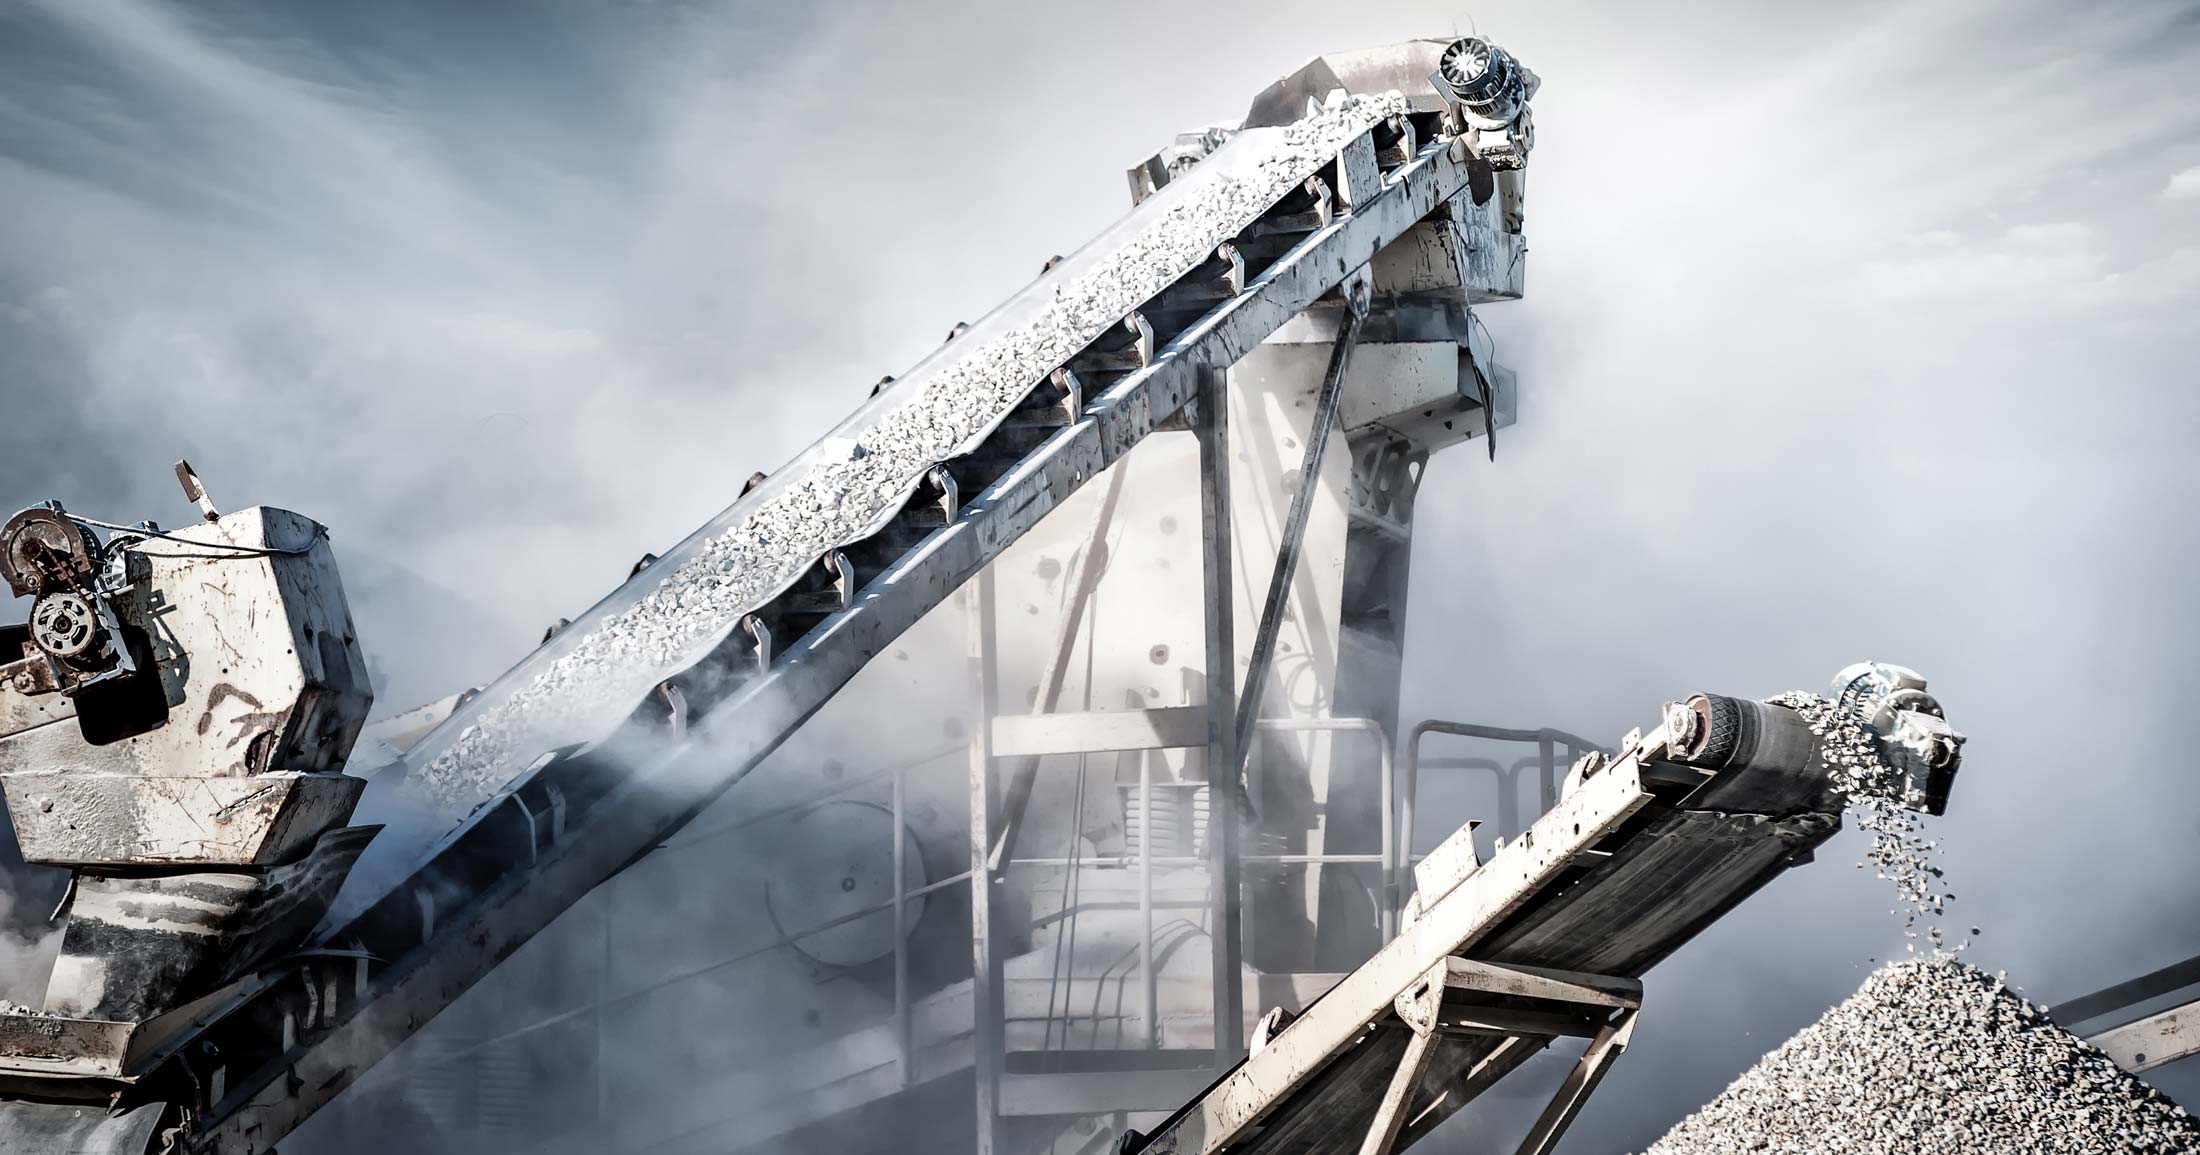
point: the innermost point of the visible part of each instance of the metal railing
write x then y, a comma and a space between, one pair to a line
1545, 760
1219, 811
1398, 796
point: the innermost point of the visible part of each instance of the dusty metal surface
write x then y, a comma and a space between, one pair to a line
258, 666
572, 820
173, 731
135, 945
2156, 1040
65, 817
590, 816
1267, 1080
62, 1045
2150, 1041
1090, 320
78, 1129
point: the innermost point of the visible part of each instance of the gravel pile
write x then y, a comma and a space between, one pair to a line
847, 487
1933, 1055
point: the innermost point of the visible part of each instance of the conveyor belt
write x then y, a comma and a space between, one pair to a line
256, 1061
1636, 859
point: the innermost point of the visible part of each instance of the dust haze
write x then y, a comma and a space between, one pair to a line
1852, 331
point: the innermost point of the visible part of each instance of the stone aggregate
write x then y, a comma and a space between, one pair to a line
838, 497
1934, 1055
1873, 790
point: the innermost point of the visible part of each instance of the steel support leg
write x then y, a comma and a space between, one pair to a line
985, 964
1390, 1114
1418, 1009
1149, 981
607, 897
904, 1045
1294, 529
1585, 1076
1225, 925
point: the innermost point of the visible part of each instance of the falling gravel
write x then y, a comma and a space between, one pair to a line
1874, 791
1933, 1055
849, 486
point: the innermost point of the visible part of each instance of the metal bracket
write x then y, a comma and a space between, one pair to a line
1407, 143
676, 711
950, 494
1143, 343
761, 635
1073, 395
1235, 278
195, 490
1417, 1006
534, 835
557, 806
1269, 1026
1325, 202
1609, 1044
844, 577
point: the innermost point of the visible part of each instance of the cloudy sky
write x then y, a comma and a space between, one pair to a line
1853, 330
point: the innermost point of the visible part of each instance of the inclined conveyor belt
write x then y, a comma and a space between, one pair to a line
633, 718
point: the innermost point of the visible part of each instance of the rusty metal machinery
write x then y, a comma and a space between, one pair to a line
268, 1038
1356, 274
174, 719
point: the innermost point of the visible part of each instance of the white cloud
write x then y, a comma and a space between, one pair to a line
2184, 185
2042, 261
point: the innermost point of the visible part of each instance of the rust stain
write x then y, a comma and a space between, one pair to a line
222, 693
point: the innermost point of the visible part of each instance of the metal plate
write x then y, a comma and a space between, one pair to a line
54, 1045
71, 818
77, 1129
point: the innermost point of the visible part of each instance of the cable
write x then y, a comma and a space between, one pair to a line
237, 551
1062, 970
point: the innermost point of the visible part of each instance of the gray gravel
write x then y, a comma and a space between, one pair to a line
847, 487
1933, 1055
1899, 851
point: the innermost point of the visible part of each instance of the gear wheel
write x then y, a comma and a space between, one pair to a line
40, 548
65, 625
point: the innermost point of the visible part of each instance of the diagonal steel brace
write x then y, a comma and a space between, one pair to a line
1357, 291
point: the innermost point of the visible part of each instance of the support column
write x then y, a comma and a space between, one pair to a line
988, 1031
1225, 927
